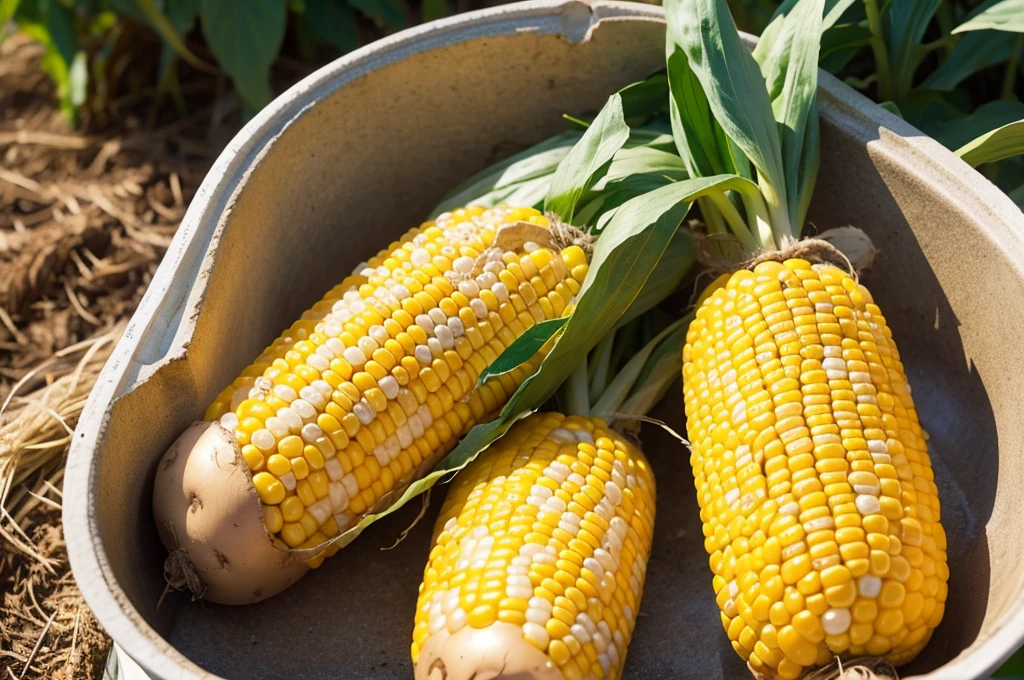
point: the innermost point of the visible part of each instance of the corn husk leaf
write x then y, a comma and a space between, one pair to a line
619, 389
790, 67
734, 88
588, 160
522, 349
522, 179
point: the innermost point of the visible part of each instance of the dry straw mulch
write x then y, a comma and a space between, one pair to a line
85, 216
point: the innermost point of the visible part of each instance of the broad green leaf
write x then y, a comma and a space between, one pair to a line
522, 349
646, 97
334, 21
956, 133
905, 22
773, 50
673, 267
587, 160
796, 108
1003, 142
972, 53
245, 37
641, 159
623, 258
434, 9
927, 110
528, 171
182, 14
170, 35
693, 124
7, 9
52, 25
735, 90
1006, 15
840, 43
388, 13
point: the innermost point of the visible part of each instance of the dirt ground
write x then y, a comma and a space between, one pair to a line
85, 216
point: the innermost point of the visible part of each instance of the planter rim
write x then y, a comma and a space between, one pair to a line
161, 327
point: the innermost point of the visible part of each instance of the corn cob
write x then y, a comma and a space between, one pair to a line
539, 556
820, 512
377, 381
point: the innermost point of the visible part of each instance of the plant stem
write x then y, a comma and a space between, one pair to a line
602, 363
944, 41
735, 221
777, 213
880, 50
1010, 77
712, 217
577, 396
757, 216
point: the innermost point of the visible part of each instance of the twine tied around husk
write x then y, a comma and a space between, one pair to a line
860, 668
558, 235
717, 253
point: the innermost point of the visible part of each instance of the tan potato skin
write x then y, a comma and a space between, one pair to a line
203, 490
497, 651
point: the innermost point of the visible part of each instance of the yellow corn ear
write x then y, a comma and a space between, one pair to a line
549, 531
820, 511
378, 380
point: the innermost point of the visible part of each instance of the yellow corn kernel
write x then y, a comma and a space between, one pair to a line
843, 489
540, 452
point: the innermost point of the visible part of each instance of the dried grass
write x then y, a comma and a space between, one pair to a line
85, 216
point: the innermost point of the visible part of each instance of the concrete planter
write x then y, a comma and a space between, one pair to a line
361, 150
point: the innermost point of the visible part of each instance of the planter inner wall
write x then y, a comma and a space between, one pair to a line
367, 162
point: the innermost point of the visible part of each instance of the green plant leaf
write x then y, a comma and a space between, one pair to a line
7, 9
1003, 142
619, 389
957, 132
334, 21
182, 14
588, 160
522, 349
166, 29
646, 97
973, 52
905, 22
672, 269
796, 109
52, 25
773, 50
246, 37
623, 258
525, 176
1005, 15
732, 82
388, 13
840, 43
663, 367
434, 9
694, 128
